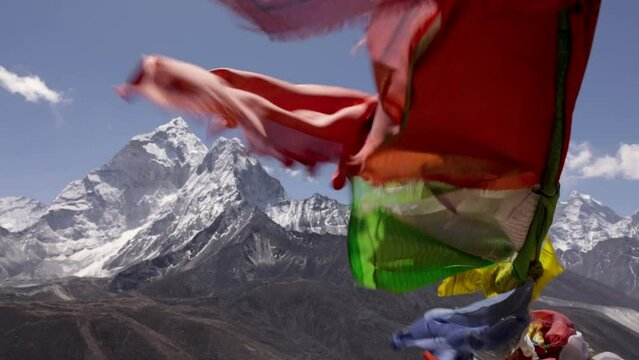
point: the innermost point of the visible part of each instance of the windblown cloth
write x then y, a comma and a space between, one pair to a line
454, 164
456, 334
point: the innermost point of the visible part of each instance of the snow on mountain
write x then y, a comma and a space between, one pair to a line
155, 194
582, 222
97, 215
164, 187
122, 194
629, 226
18, 213
226, 177
317, 214
595, 242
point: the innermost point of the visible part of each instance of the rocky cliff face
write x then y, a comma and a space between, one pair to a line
151, 199
594, 241
18, 213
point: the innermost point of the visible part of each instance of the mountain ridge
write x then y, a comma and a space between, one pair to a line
219, 263
164, 187
594, 241
151, 198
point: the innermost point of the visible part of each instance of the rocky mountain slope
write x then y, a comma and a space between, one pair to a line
153, 196
594, 241
18, 213
175, 251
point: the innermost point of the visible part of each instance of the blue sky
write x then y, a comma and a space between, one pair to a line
58, 128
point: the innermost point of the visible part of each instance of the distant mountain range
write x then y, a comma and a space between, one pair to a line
153, 196
596, 242
19, 213
175, 251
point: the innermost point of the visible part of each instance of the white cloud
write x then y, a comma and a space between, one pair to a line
606, 166
580, 158
629, 156
280, 172
301, 174
581, 162
31, 87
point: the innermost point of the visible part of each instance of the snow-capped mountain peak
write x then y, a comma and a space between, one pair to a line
172, 144
583, 205
319, 214
230, 167
121, 194
153, 196
18, 213
595, 242
163, 188
582, 221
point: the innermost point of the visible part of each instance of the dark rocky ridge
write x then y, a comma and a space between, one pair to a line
614, 262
